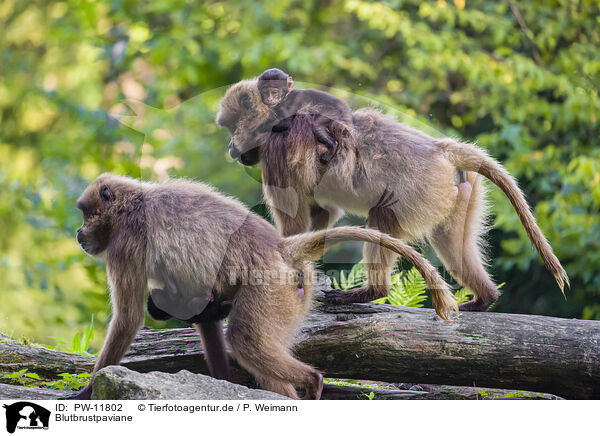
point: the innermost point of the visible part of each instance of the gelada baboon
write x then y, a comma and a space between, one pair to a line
399, 178
277, 92
212, 245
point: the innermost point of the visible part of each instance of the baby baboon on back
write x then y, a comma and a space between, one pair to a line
276, 91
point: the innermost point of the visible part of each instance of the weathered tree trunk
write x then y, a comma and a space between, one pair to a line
428, 392
44, 362
389, 343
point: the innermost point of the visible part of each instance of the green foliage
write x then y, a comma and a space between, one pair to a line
463, 295
31, 379
517, 394
528, 93
21, 374
350, 382
22, 378
68, 381
81, 343
355, 278
354, 383
408, 289
483, 394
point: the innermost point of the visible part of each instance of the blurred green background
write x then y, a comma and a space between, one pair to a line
521, 79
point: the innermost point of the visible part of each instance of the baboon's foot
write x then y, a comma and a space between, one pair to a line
313, 391
475, 305
360, 295
83, 394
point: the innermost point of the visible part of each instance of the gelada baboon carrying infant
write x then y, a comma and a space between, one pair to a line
330, 114
186, 238
399, 178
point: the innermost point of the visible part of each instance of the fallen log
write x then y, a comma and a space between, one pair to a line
428, 392
391, 344
43, 361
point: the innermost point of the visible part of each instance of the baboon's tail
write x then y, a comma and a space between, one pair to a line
472, 158
312, 245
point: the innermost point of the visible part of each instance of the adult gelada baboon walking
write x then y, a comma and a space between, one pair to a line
200, 248
399, 178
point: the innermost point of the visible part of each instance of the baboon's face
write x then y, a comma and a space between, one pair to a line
272, 95
241, 111
96, 204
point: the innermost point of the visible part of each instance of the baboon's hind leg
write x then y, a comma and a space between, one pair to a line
456, 243
261, 345
275, 369
378, 261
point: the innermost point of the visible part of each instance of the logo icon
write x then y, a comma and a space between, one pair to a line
26, 415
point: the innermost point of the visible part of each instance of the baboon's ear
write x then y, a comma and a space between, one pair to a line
106, 194
245, 101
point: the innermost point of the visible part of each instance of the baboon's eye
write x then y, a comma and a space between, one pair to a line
106, 194
245, 101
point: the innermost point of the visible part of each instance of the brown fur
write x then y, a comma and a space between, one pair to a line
211, 243
400, 179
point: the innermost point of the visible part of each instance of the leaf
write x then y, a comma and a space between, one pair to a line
407, 289
334, 283
88, 335
355, 278
463, 295
33, 375
69, 381
76, 344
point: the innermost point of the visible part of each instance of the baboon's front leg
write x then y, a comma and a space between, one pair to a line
290, 224
127, 297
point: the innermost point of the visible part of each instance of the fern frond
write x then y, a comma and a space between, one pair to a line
463, 295
334, 283
408, 289
355, 278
